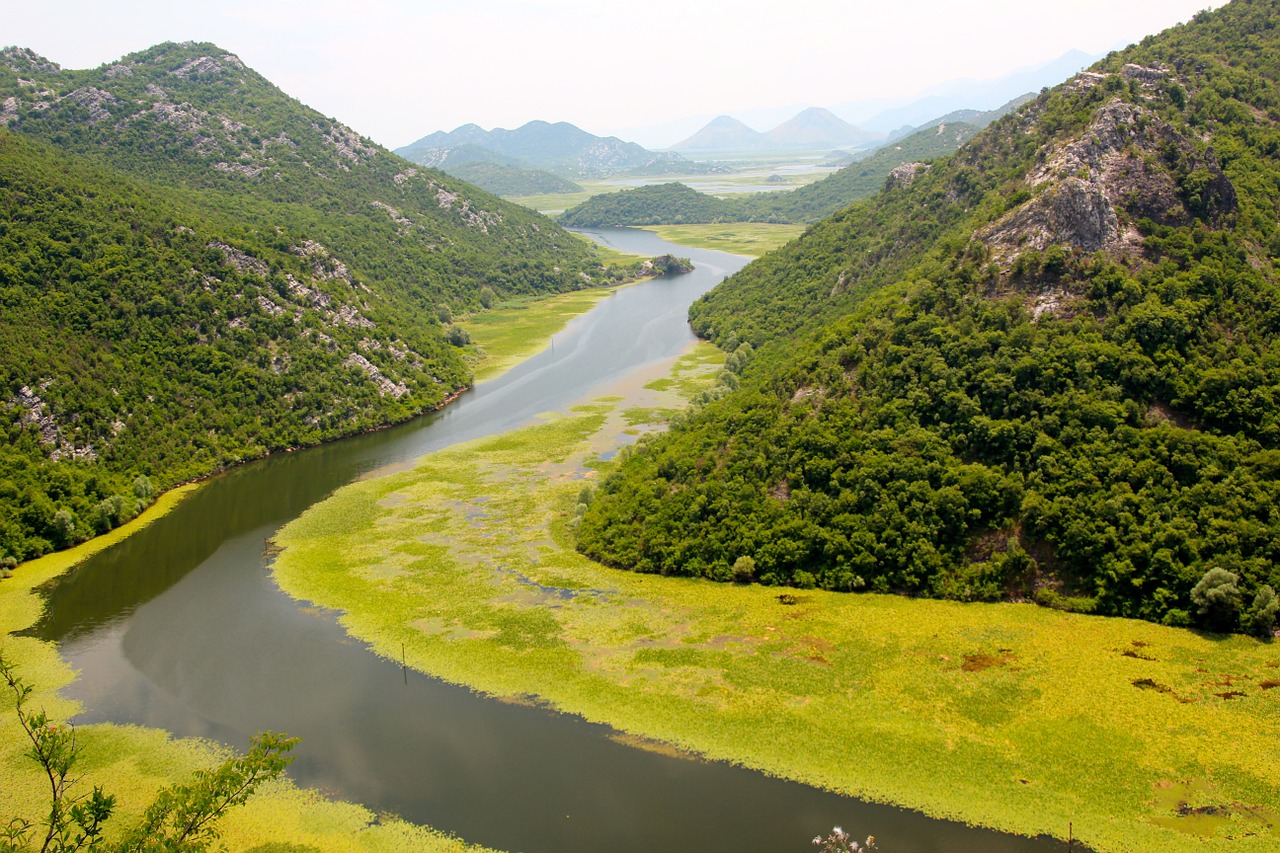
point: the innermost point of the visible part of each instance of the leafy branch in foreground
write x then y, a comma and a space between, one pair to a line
183, 818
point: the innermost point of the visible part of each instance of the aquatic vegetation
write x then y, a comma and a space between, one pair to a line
134, 762
1006, 715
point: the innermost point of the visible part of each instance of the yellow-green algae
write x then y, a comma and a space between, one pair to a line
134, 763
1007, 715
752, 239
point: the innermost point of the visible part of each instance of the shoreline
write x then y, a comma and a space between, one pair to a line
979, 713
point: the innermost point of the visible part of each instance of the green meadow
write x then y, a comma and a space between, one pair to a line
1028, 720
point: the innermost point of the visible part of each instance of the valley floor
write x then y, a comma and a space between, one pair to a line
1140, 737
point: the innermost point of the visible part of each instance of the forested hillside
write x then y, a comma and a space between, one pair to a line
196, 269
1044, 368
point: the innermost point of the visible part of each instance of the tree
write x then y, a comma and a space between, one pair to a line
182, 819
1217, 599
1261, 619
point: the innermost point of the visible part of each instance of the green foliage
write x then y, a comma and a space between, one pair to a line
1261, 618
504, 180
671, 203
916, 420
1217, 599
197, 270
182, 819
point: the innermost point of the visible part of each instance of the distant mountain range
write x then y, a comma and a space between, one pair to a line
560, 148
885, 116
856, 178
812, 128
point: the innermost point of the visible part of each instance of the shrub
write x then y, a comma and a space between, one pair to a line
1217, 599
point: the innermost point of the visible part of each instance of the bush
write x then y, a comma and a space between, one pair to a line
1262, 615
458, 336
1217, 599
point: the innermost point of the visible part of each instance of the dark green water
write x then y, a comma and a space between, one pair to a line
180, 627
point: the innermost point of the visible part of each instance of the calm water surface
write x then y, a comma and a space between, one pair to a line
180, 627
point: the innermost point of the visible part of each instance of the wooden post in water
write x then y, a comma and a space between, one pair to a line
404, 667
1071, 835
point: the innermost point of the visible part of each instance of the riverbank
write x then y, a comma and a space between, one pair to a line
512, 332
1139, 737
133, 762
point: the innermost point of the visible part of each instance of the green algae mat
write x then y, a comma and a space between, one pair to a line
1140, 737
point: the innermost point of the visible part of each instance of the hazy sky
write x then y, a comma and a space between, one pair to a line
397, 70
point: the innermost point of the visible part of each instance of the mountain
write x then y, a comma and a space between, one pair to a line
817, 128
722, 133
1044, 368
976, 118
561, 148
196, 269
492, 172
676, 204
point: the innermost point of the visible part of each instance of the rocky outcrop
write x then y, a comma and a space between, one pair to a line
95, 101
385, 386
1127, 166
33, 411
905, 175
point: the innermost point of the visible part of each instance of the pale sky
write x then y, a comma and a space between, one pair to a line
396, 70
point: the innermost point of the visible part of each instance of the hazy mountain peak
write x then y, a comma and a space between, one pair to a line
561, 148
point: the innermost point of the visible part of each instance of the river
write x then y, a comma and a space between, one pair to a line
180, 627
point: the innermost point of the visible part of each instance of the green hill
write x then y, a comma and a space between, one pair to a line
196, 269
1044, 368
507, 181
660, 204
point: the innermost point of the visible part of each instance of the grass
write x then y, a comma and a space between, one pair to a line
752, 239
134, 762
513, 331
560, 202
1010, 716
516, 329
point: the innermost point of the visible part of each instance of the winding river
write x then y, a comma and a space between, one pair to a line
180, 627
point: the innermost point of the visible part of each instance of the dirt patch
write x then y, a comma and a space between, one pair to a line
983, 661
1149, 684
